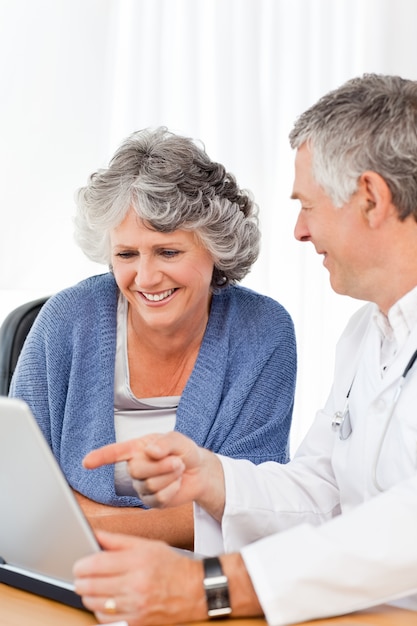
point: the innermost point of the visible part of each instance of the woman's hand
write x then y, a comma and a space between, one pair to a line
168, 470
175, 525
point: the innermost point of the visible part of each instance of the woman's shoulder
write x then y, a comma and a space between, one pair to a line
101, 285
245, 299
252, 314
91, 293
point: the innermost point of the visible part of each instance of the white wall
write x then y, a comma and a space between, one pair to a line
77, 76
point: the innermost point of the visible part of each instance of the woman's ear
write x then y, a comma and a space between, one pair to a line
376, 197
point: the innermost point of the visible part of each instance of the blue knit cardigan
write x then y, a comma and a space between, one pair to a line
238, 400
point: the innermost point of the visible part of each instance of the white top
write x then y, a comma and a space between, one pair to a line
134, 417
324, 563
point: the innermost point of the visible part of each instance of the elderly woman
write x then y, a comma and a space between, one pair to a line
165, 340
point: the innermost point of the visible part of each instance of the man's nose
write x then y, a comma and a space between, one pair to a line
301, 232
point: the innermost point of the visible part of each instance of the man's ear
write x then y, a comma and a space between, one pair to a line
376, 198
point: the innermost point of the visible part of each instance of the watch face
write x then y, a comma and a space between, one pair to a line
216, 588
218, 601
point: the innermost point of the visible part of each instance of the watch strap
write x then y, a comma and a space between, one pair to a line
216, 587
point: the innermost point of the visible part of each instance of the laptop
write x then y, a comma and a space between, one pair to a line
43, 530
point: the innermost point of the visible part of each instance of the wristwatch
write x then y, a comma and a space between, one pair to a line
216, 587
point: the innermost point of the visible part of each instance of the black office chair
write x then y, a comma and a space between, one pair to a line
13, 333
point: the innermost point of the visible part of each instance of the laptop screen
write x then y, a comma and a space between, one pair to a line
42, 528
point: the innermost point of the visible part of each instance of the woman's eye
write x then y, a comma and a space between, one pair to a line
127, 255
169, 254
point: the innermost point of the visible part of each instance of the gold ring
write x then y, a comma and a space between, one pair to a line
110, 606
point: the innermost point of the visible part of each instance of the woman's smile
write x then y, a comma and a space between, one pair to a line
158, 296
165, 277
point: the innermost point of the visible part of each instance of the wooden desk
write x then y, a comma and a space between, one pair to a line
19, 608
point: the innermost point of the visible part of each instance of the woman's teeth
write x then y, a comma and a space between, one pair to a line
156, 297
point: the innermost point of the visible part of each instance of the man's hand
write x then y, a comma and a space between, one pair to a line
168, 470
146, 583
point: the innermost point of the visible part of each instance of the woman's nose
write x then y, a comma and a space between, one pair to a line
147, 273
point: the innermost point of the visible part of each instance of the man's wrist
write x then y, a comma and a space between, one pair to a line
242, 592
216, 587
212, 485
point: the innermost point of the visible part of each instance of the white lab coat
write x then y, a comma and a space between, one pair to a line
326, 563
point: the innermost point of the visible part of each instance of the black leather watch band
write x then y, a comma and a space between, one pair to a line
216, 587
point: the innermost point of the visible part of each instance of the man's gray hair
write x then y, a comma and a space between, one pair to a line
369, 123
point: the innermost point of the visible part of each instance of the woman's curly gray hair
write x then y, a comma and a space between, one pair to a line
172, 184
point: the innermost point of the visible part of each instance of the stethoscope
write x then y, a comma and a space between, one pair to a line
341, 422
